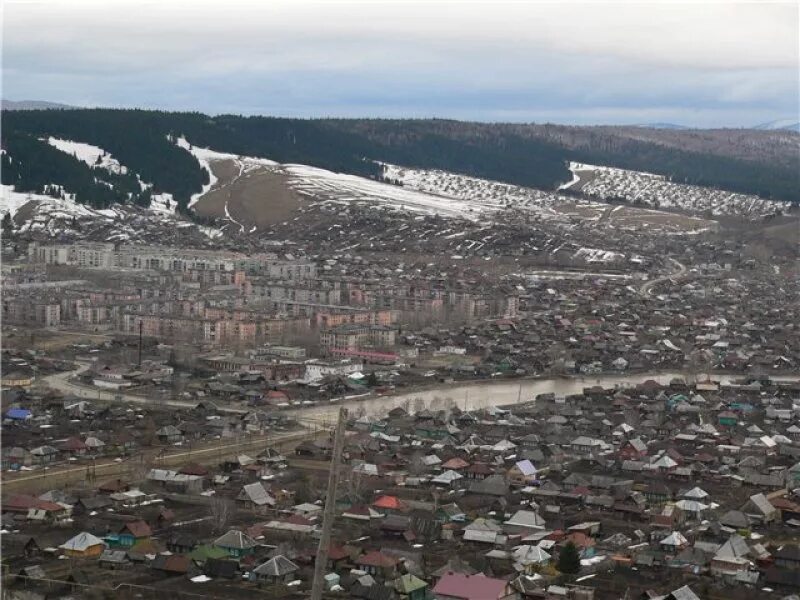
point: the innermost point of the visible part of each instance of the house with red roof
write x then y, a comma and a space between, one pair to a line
194, 469
459, 586
479, 471
132, 533
73, 446
276, 397
455, 464
389, 504
378, 563
35, 508
337, 557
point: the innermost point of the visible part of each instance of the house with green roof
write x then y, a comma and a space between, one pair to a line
236, 543
410, 587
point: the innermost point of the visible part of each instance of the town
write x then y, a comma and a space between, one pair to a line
399, 300
563, 429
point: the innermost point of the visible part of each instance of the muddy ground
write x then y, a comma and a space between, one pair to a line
257, 198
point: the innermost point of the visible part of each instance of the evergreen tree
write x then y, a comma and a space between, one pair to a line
144, 141
569, 559
7, 224
372, 379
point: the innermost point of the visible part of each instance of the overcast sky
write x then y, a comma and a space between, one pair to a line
694, 63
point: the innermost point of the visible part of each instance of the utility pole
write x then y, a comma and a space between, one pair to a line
139, 364
320, 565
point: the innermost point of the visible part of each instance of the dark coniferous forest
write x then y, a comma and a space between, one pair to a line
534, 156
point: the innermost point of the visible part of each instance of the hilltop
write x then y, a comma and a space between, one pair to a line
762, 163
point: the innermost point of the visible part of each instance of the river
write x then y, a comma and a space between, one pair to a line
475, 395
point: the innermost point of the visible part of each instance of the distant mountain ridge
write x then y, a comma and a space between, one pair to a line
662, 126
780, 124
33, 105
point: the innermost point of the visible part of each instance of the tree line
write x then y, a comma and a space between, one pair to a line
143, 141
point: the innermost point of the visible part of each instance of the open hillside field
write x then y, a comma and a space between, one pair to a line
251, 200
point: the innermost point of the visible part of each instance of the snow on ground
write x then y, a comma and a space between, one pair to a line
205, 156
422, 191
163, 203
484, 192
93, 156
346, 189
575, 179
11, 201
56, 215
598, 255
160, 203
657, 191
232, 220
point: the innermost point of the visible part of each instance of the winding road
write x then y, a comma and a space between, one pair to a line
61, 382
647, 287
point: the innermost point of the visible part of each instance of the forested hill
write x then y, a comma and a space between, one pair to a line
529, 155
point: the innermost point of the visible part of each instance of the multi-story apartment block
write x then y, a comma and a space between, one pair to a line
27, 311
159, 258
355, 337
85, 254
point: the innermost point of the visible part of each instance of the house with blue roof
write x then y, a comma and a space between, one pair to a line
18, 414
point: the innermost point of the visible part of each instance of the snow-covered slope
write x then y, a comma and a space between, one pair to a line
657, 191
58, 217
98, 158
11, 201
92, 155
346, 189
323, 185
480, 192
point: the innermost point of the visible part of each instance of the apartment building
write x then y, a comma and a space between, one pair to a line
274, 291
27, 311
86, 254
354, 337
342, 315
163, 258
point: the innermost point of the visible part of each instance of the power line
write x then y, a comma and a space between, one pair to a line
330, 508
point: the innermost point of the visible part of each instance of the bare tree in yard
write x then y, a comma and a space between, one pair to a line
356, 484
419, 405
306, 490
416, 466
220, 511
138, 468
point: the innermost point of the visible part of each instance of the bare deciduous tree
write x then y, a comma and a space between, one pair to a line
220, 511
416, 466
356, 485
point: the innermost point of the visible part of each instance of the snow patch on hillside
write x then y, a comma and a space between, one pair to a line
657, 191
97, 158
492, 195
347, 189
163, 203
93, 156
11, 200
205, 156
598, 255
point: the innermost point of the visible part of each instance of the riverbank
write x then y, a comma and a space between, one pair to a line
475, 394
